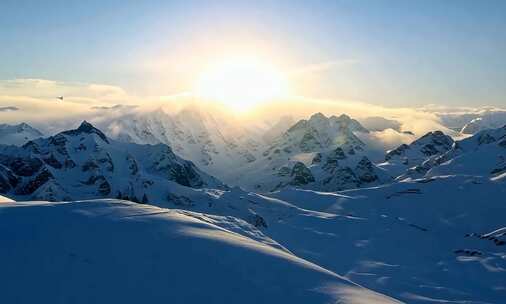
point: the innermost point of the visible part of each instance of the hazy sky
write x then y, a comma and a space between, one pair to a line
393, 53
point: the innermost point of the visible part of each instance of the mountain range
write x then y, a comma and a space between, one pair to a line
423, 224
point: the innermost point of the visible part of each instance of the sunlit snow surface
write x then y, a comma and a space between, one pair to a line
111, 251
421, 241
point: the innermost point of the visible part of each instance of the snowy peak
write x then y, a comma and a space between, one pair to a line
18, 134
321, 133
321, 122
431, 144
320, 153
483, 154
437, 138
484, 137
83, 163
486, 120
86, 128
347, 122
212, 142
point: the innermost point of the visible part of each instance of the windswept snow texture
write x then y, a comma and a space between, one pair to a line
437, 240
114, 251
17, 134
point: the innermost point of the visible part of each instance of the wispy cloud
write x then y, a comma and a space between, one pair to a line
323, 66
74, 92
8, 109
114, 107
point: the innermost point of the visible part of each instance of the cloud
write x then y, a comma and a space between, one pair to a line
409, 119
102, 102
38, 99
8, 109
115, 107
74, 92
322, 66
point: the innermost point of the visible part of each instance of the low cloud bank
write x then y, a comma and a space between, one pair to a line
35, 101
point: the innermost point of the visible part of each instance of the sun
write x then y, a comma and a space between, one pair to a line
241, 83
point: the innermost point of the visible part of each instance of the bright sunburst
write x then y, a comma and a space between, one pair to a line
241, 83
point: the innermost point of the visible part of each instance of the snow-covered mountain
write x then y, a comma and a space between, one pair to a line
471, 121
18, 134
84, 163
483, 154
446, 210
112, 251
319, 153
213, 142
487, 120
431, 145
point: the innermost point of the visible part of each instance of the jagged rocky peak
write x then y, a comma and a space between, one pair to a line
83, 163
345, 121
86, 128
432, 143
436, 137
320, 122
485, 148
318, 117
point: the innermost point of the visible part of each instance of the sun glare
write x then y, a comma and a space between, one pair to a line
241, 83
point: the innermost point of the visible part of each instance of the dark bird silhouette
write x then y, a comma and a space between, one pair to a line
60, 98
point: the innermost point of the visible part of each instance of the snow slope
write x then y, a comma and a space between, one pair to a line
420, 241
4, 199
111, 251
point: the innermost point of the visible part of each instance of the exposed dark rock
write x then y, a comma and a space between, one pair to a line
53, 162
41, 178
257, 221
301, 175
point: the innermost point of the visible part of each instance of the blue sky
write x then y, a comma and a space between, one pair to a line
393, 53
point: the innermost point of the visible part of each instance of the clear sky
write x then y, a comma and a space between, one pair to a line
393, 53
